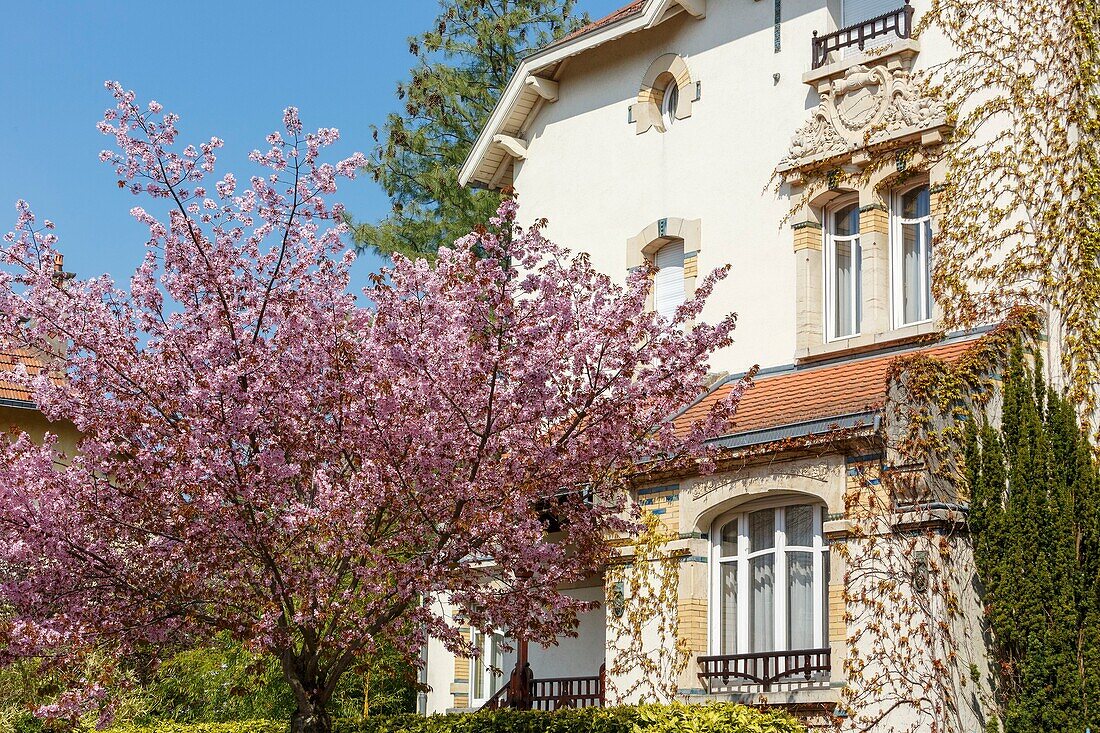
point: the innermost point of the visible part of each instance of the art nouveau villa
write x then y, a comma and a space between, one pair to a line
652, 135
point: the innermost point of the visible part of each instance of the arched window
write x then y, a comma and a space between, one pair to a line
770, 578
912, 256
843, 271
669, 101
668, 283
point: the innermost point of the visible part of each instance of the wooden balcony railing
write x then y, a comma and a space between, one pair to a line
765, 669
524, 692
898, 21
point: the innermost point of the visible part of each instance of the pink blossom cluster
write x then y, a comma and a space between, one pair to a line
266, 454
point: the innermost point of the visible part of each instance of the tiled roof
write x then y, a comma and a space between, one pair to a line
9, 360
624, 12
816, 393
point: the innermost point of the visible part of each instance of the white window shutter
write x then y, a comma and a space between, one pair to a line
668, 284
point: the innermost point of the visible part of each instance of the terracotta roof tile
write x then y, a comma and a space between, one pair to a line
815, 393
9, 360
624, 12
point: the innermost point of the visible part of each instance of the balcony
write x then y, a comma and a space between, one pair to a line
899, 22
524, 692
765, 671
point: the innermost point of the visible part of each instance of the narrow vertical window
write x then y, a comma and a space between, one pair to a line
668, 283
912, 257
843, 272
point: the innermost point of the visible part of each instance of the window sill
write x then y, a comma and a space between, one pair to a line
866, 342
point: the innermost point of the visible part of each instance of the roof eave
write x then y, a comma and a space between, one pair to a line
654, 12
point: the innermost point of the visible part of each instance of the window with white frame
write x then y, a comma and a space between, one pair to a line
486, 675
668, 283
770, 576
912, 256
843, 271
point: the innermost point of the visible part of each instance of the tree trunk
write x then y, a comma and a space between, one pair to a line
311, 718
307, 682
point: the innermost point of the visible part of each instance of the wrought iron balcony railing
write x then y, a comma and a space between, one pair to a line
898, 21
764, 670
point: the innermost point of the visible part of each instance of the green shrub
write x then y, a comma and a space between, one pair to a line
675, 718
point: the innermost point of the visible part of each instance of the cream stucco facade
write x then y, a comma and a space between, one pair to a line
588, 140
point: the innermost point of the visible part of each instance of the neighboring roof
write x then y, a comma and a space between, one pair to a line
16, 395
622, 13
491, 158
840, 394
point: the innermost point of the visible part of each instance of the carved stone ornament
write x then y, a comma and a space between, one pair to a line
864, 105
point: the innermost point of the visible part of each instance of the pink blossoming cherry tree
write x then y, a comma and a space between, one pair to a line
312, 471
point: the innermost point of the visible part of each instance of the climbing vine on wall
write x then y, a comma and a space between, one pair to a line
915, 650
1020, 223
644, 645
1035, 523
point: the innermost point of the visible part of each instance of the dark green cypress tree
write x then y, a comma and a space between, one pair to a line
463, 64
1035, 525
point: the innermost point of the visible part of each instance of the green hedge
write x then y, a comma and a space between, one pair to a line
675, 718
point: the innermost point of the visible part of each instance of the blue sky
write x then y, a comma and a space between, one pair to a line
228, 68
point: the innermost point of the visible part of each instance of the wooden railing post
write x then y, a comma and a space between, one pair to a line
519, 684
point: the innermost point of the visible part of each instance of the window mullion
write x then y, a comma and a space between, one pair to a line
743, 586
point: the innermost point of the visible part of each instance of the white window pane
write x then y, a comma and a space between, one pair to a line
729, 608
800, 525
496, 662
926, 243
846, 221
842, 289
915, 203
911, 273
729, 539
477, 669
669, 103
668, 283
800, 600
761, 610
762, 530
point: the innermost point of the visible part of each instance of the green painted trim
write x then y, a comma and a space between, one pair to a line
805, 225
938, 188
874, 207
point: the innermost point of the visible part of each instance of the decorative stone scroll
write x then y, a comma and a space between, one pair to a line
873, 101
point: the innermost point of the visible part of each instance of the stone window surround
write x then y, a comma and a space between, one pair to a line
876, 226
646, 110
641, 248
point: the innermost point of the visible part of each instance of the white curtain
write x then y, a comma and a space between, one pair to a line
911, 273
761, 530
800, 600
762, 610
668, 284
729, 608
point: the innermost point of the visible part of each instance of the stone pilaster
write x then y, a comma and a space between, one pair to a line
874, 240
808, 293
